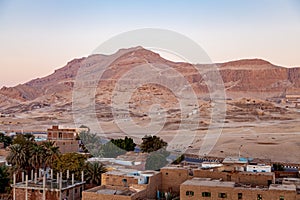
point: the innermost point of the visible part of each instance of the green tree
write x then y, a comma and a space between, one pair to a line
152, 143
17, 157
278, 167
51, 153
155, 161
91, 143
178, 160
5, 139
126, 144
73, 162
4, 179
93, 172
110, 150
37, 156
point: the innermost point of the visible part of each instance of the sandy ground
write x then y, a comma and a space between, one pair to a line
277, 139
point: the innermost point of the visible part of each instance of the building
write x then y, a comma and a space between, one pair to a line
205, 188
233, 179
258, 168
65, 139
43, 188
126, 184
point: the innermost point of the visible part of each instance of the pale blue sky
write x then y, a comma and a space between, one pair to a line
37, 37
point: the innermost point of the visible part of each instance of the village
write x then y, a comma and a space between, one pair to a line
145, 172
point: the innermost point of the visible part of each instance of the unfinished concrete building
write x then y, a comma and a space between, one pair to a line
43, 188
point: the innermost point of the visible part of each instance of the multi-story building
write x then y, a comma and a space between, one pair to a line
44, 188
205, 188
65, 139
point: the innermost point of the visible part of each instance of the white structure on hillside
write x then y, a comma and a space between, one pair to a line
258, 168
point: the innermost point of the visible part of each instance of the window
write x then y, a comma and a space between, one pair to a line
67, 193
167, 173
259, 197
222, 195
189, 193
60, 134
281, 198
240, 196
206, 194
75, 190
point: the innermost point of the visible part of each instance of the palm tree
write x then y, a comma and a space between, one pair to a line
4, 179
17, 157
51, 153
93, 171
37, 156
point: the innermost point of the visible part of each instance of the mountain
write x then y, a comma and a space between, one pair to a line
53, 94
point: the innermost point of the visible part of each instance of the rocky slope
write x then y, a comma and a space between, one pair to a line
251, 78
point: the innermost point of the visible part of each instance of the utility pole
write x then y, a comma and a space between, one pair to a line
240, 150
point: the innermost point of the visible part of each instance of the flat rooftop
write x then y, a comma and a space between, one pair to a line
50, 184
115, 192
236, 160
282, 187
131, 172
208, 182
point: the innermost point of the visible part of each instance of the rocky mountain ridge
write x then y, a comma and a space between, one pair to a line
243, 78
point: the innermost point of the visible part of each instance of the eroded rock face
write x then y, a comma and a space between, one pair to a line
243, 78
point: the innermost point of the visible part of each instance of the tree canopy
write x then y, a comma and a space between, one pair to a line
93, 172
74, 162
25, 154
5, 139
4, 179
152, 143
126, 144
156, 160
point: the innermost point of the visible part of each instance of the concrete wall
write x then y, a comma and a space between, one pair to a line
116, 180
263, 179
93, 195
35, 194
155, 183
172, 178
258, 168
232, 193
67, 146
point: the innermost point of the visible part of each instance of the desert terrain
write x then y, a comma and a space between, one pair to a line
128, 100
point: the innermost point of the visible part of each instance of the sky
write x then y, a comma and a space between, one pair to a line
37, 37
